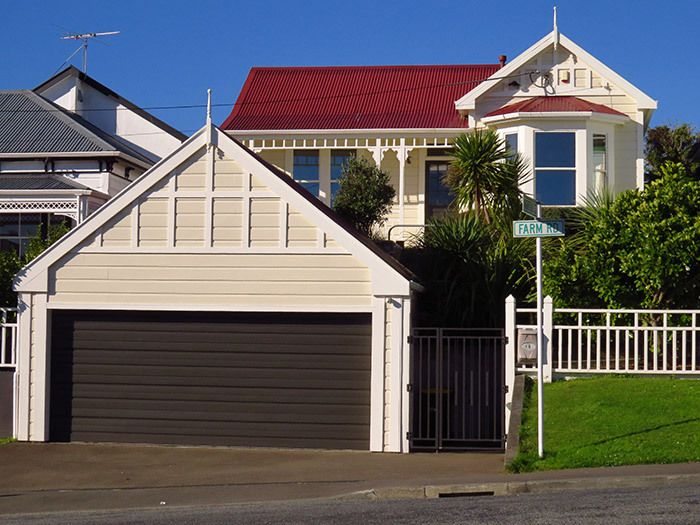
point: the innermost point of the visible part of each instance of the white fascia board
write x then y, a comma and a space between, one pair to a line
385, 279
468, 101
556, 115
75, 155
643, 101
47, 193
33, 277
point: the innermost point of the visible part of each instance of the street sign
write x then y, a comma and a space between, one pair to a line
538, 229
529, 206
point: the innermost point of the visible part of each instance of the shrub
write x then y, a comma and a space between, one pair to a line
365, 196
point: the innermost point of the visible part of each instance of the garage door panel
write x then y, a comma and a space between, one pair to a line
226, 440
251, 379
198, 393
330, 408
249, 360
252, 346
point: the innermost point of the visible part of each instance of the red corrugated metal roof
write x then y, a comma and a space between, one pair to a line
553, 105
363, 97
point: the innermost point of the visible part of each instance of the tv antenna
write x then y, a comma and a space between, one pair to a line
85, 37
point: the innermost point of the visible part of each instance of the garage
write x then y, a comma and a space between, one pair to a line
262, 379
215, 302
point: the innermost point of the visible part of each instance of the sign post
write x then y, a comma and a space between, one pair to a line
538, 228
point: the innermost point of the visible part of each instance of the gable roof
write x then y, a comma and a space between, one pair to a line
72, 71
642, 99
355, 242
554, 104
354, 97
31, 124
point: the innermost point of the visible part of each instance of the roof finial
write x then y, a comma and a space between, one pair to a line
556, 29
209, 107
208, 124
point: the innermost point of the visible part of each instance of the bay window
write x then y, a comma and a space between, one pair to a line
555, 168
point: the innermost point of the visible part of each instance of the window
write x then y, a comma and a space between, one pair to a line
339, 158
438, 195
17, 229
600, 162
511, 140
555, 168
306, 170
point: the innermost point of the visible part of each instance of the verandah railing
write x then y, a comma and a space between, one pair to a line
593, 341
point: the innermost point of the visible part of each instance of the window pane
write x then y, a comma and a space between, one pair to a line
8, 245
9, 224
512, 143
555, 150
438, 193
29, 224
306, 165
311, 187
338, 160
556, 187
335, 186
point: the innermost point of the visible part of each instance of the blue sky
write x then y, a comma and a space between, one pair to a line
170, 52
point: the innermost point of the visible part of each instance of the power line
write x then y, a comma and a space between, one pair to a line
284, 100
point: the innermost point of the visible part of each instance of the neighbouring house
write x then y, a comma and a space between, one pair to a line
579, 124
66, 147
214, 301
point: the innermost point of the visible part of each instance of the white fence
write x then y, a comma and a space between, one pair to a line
594, 341
8, 371
8, 335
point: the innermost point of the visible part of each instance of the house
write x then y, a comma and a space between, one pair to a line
214, 301
579, 124
66, 147
218, 300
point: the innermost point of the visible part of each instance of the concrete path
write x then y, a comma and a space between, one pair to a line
55, 477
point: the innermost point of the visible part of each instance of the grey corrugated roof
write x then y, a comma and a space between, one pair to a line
38, 182
31, 124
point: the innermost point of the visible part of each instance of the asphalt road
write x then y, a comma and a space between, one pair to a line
679, 505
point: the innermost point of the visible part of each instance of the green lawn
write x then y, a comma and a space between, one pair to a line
611, 420
5, 441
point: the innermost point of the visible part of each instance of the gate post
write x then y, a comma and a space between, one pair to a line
548, 328
511, 334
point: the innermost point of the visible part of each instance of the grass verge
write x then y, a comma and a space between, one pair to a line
5, 441
610, 421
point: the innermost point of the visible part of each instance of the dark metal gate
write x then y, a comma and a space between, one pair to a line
457, 389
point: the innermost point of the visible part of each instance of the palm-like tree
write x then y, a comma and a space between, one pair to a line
484, 175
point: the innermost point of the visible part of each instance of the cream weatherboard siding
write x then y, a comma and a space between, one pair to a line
211, 229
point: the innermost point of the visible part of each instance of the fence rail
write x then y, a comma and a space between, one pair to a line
594, 341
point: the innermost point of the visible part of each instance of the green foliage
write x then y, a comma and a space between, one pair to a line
365, 195
469, 261
612, 420
11, 263
468, 267
639, 249
484, 176
677, 145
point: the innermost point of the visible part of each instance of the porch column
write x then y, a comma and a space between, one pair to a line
377, 153
402, 154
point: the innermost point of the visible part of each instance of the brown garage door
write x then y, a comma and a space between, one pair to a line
252, 379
